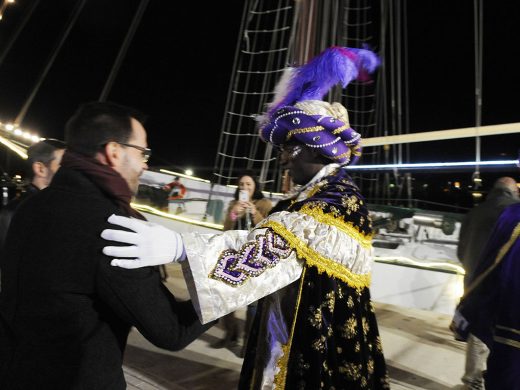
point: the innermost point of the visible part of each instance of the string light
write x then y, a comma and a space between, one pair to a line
24, 136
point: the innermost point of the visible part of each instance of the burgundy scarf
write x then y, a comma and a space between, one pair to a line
106, 178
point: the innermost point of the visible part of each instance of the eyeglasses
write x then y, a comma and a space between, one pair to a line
146, 152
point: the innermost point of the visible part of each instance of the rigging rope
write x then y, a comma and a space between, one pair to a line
479, 42
74, 16
123, 49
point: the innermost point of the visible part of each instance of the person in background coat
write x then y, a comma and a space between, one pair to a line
43, 159
474, 235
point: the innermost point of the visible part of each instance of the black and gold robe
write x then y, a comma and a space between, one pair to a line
310, 263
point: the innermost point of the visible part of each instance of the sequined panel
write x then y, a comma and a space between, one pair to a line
253, 258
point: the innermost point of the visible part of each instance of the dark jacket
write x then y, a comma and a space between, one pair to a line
7, 212
65, 311
478, 225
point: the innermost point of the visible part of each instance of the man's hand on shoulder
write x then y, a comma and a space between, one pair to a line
150, 244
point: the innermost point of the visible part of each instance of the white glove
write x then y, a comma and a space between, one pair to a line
151, 244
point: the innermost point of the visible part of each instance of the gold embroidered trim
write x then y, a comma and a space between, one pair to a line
365, 240
313, 191
283, 361
340, 129
321, 263
503, 340
343, 155
512, 330
501, 253
303, 130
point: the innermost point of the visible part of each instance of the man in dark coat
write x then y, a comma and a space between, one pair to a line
43, 159
65, 312
474, 234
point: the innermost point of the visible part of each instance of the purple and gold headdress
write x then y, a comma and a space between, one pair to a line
297, 112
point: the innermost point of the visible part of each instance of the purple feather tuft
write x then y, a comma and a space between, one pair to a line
335, 65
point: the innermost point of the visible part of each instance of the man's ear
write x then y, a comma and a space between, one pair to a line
39, 169
111, 154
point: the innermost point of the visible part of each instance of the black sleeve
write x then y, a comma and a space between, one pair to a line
139, 298
5, 220
463, 238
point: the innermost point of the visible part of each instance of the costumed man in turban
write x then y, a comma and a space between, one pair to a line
309, 260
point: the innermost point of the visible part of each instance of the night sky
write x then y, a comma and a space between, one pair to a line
179, 76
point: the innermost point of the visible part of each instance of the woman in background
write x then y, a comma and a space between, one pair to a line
247, 209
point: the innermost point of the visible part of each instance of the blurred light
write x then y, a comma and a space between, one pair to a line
18, 132
9, 127
188, 172
456, 184
432, 165
477, 194
457, 288
182, 175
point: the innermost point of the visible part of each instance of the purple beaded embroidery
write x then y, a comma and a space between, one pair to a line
234, 268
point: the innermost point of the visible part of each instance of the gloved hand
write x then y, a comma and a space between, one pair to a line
151, 244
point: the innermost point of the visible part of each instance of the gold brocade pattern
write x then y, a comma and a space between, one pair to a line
379, 344
302, 131
319, 344
316, 318
347, 227
364, 324
351, 203
349, 328
314, 259
331, 300
351, 370
370, 366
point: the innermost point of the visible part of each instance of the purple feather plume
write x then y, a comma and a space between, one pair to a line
335, 65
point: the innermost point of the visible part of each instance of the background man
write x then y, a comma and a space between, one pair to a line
65, 313
474, 235
43, 160
489, 308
